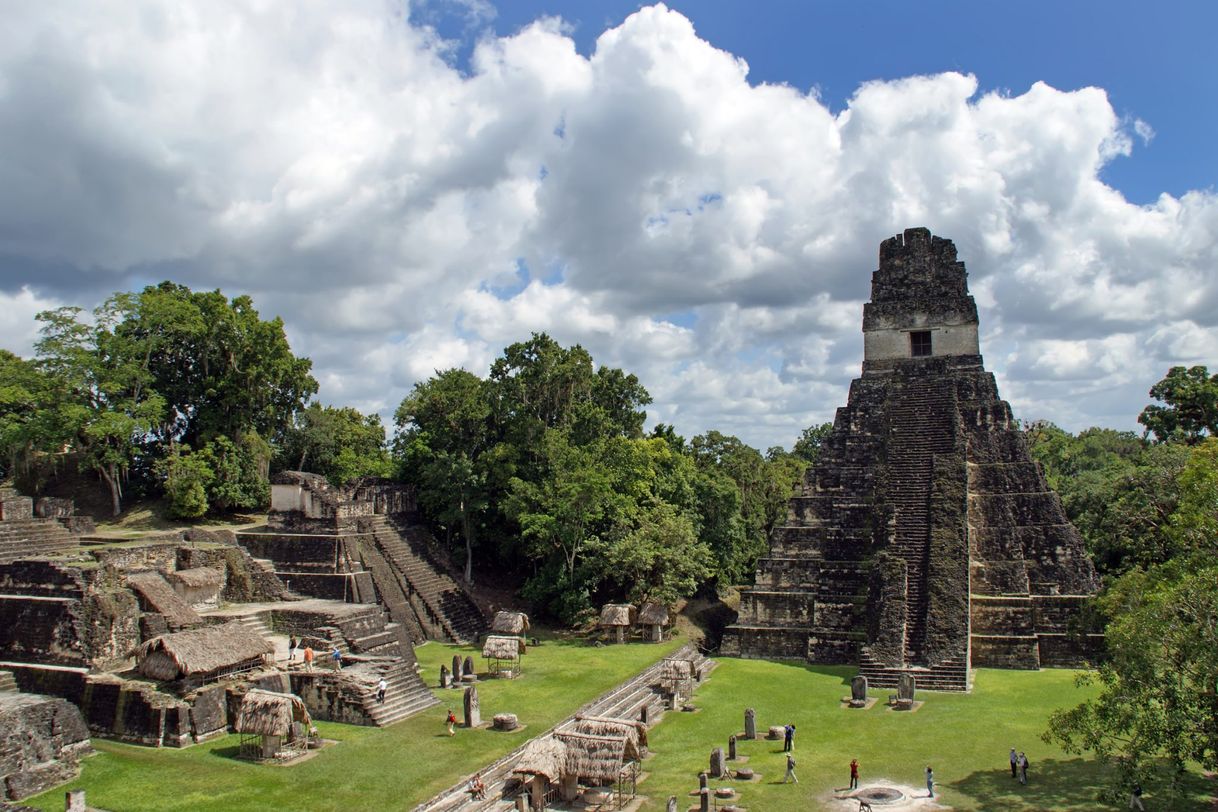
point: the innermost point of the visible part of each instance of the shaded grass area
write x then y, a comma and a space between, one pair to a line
965, 737
388, 768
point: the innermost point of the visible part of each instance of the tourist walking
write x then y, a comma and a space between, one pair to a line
788, 738
381, 687
790, 776
930, 782
292, 648
451, 721
337, 657
1014, 763
1135, 797
308, 658
1023, 768
854, 773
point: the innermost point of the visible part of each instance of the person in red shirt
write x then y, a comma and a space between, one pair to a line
451, 721
854, 773
308, 658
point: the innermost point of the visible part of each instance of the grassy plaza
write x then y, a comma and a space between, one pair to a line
964, 737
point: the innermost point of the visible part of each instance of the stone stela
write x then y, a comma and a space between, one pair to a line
925, 479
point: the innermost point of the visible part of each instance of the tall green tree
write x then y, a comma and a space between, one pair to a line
337, 442
1191, 410
810, 441
448, 449
98, 399
659, 558
21, 393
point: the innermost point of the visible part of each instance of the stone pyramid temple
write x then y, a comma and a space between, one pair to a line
925, 540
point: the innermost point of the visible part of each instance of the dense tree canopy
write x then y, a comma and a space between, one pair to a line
1191, 410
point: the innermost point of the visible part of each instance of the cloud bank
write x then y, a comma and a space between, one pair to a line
713, 236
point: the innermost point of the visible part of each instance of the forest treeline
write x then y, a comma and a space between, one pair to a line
541, 471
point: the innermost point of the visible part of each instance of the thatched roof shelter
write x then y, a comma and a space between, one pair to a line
205, 652
617, 614
267, 713
159, 596
502, 647
546, 757
634, 732
598, 758
653, 614
198, 577
510, 623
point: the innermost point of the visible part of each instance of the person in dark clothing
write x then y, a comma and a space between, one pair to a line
1135, 797
788, 738
1014, 763
854, 773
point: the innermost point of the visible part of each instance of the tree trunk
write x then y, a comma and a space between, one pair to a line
110, 475
467, 529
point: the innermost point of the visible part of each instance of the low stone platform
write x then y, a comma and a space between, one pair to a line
42, 740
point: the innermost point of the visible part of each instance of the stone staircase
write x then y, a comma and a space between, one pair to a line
921, 428
405, 696
441, 606
26, 538
950, 675
8, 683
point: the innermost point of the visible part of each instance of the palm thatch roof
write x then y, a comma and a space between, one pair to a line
635, 732
160, 597
502, 647
653, 614
617, 614
510, 622
267, 713
200, 651
599, 758
198, 577
546, 757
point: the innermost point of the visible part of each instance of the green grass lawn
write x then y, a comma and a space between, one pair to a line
390, 768
965, 738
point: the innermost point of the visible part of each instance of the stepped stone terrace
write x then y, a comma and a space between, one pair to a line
925, 541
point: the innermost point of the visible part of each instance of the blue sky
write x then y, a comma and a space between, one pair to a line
1157, 61
413, 187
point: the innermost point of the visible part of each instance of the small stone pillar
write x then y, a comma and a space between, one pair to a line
704, 800
718, 765
467, 669
731, 748
672, 804
858, 692
473, 714
456, 672
750, 723
446, 681
74, 801
702, 782
905, 687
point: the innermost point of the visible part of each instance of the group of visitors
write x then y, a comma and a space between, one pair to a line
308, 655
477, 787
1019, 766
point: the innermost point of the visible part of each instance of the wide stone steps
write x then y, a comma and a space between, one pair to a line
950, 675
8, 683
29, 538
405, 696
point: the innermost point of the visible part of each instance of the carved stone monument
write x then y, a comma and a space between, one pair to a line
456, 672
858, 692
702, 781
924, 509
750, 723
731, 748
906, 687
446, 679
718, 764
467, 669
473, 715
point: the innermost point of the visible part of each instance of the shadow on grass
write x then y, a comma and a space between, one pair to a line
1069, 784
232, 752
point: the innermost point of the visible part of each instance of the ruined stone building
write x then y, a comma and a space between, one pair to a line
925, 540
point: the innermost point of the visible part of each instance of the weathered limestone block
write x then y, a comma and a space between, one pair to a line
505, 721
41, 742
473, 712
718, 764
750, 723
